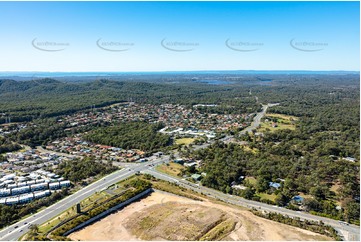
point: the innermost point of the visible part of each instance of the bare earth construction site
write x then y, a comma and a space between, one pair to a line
164, 216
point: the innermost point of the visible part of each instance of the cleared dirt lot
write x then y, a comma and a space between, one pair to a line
164, 216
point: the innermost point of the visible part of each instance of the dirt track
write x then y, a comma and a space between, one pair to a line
163, 216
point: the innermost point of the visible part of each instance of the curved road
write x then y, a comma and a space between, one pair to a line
257, 119
15, 231
348, 231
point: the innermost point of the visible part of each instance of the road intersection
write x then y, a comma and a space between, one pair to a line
15, 231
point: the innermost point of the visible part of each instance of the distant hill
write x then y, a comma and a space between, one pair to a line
25, 100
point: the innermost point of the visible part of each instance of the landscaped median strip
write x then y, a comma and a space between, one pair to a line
100, 211
68, 200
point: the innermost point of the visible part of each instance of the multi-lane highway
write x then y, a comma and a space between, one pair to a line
257, 119
348, 231
16, 230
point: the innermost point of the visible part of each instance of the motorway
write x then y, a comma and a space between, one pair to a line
257, 119
15, 231
350, 232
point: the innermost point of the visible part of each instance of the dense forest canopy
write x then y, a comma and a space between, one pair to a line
310, 158
135, 135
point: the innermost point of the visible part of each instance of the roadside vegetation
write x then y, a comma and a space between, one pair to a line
305, 154
134, 135
79, 172
84, 169
317, 227
130, 188
212, 223
14, 213
303, 146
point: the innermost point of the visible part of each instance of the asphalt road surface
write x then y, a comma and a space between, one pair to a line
350, 232
16, 230
257, 119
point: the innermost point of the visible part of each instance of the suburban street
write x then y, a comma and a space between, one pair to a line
15, 231
350, 232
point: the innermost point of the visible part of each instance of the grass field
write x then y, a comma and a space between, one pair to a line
172, 168
97, 197
271, 197
282, 116
45, 227
184, 141
282, 122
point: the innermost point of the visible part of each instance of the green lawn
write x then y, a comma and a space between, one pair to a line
271, 197
184, 141
172, 168
57, 219
283, 122
98, 197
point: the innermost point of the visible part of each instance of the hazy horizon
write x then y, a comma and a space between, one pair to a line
179, 36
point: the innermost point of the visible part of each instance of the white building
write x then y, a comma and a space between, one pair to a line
40, 186
34, 176
54, 185
20, 190
21, 184
5, 192
12, 200
41, 194
7, 182
12, 186
30, 182
51, 175
26, 198
65, 183
40, 181
8, 177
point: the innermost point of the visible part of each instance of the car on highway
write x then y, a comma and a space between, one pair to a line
343, 222
16, 227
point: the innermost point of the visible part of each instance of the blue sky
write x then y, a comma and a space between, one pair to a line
261, 36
